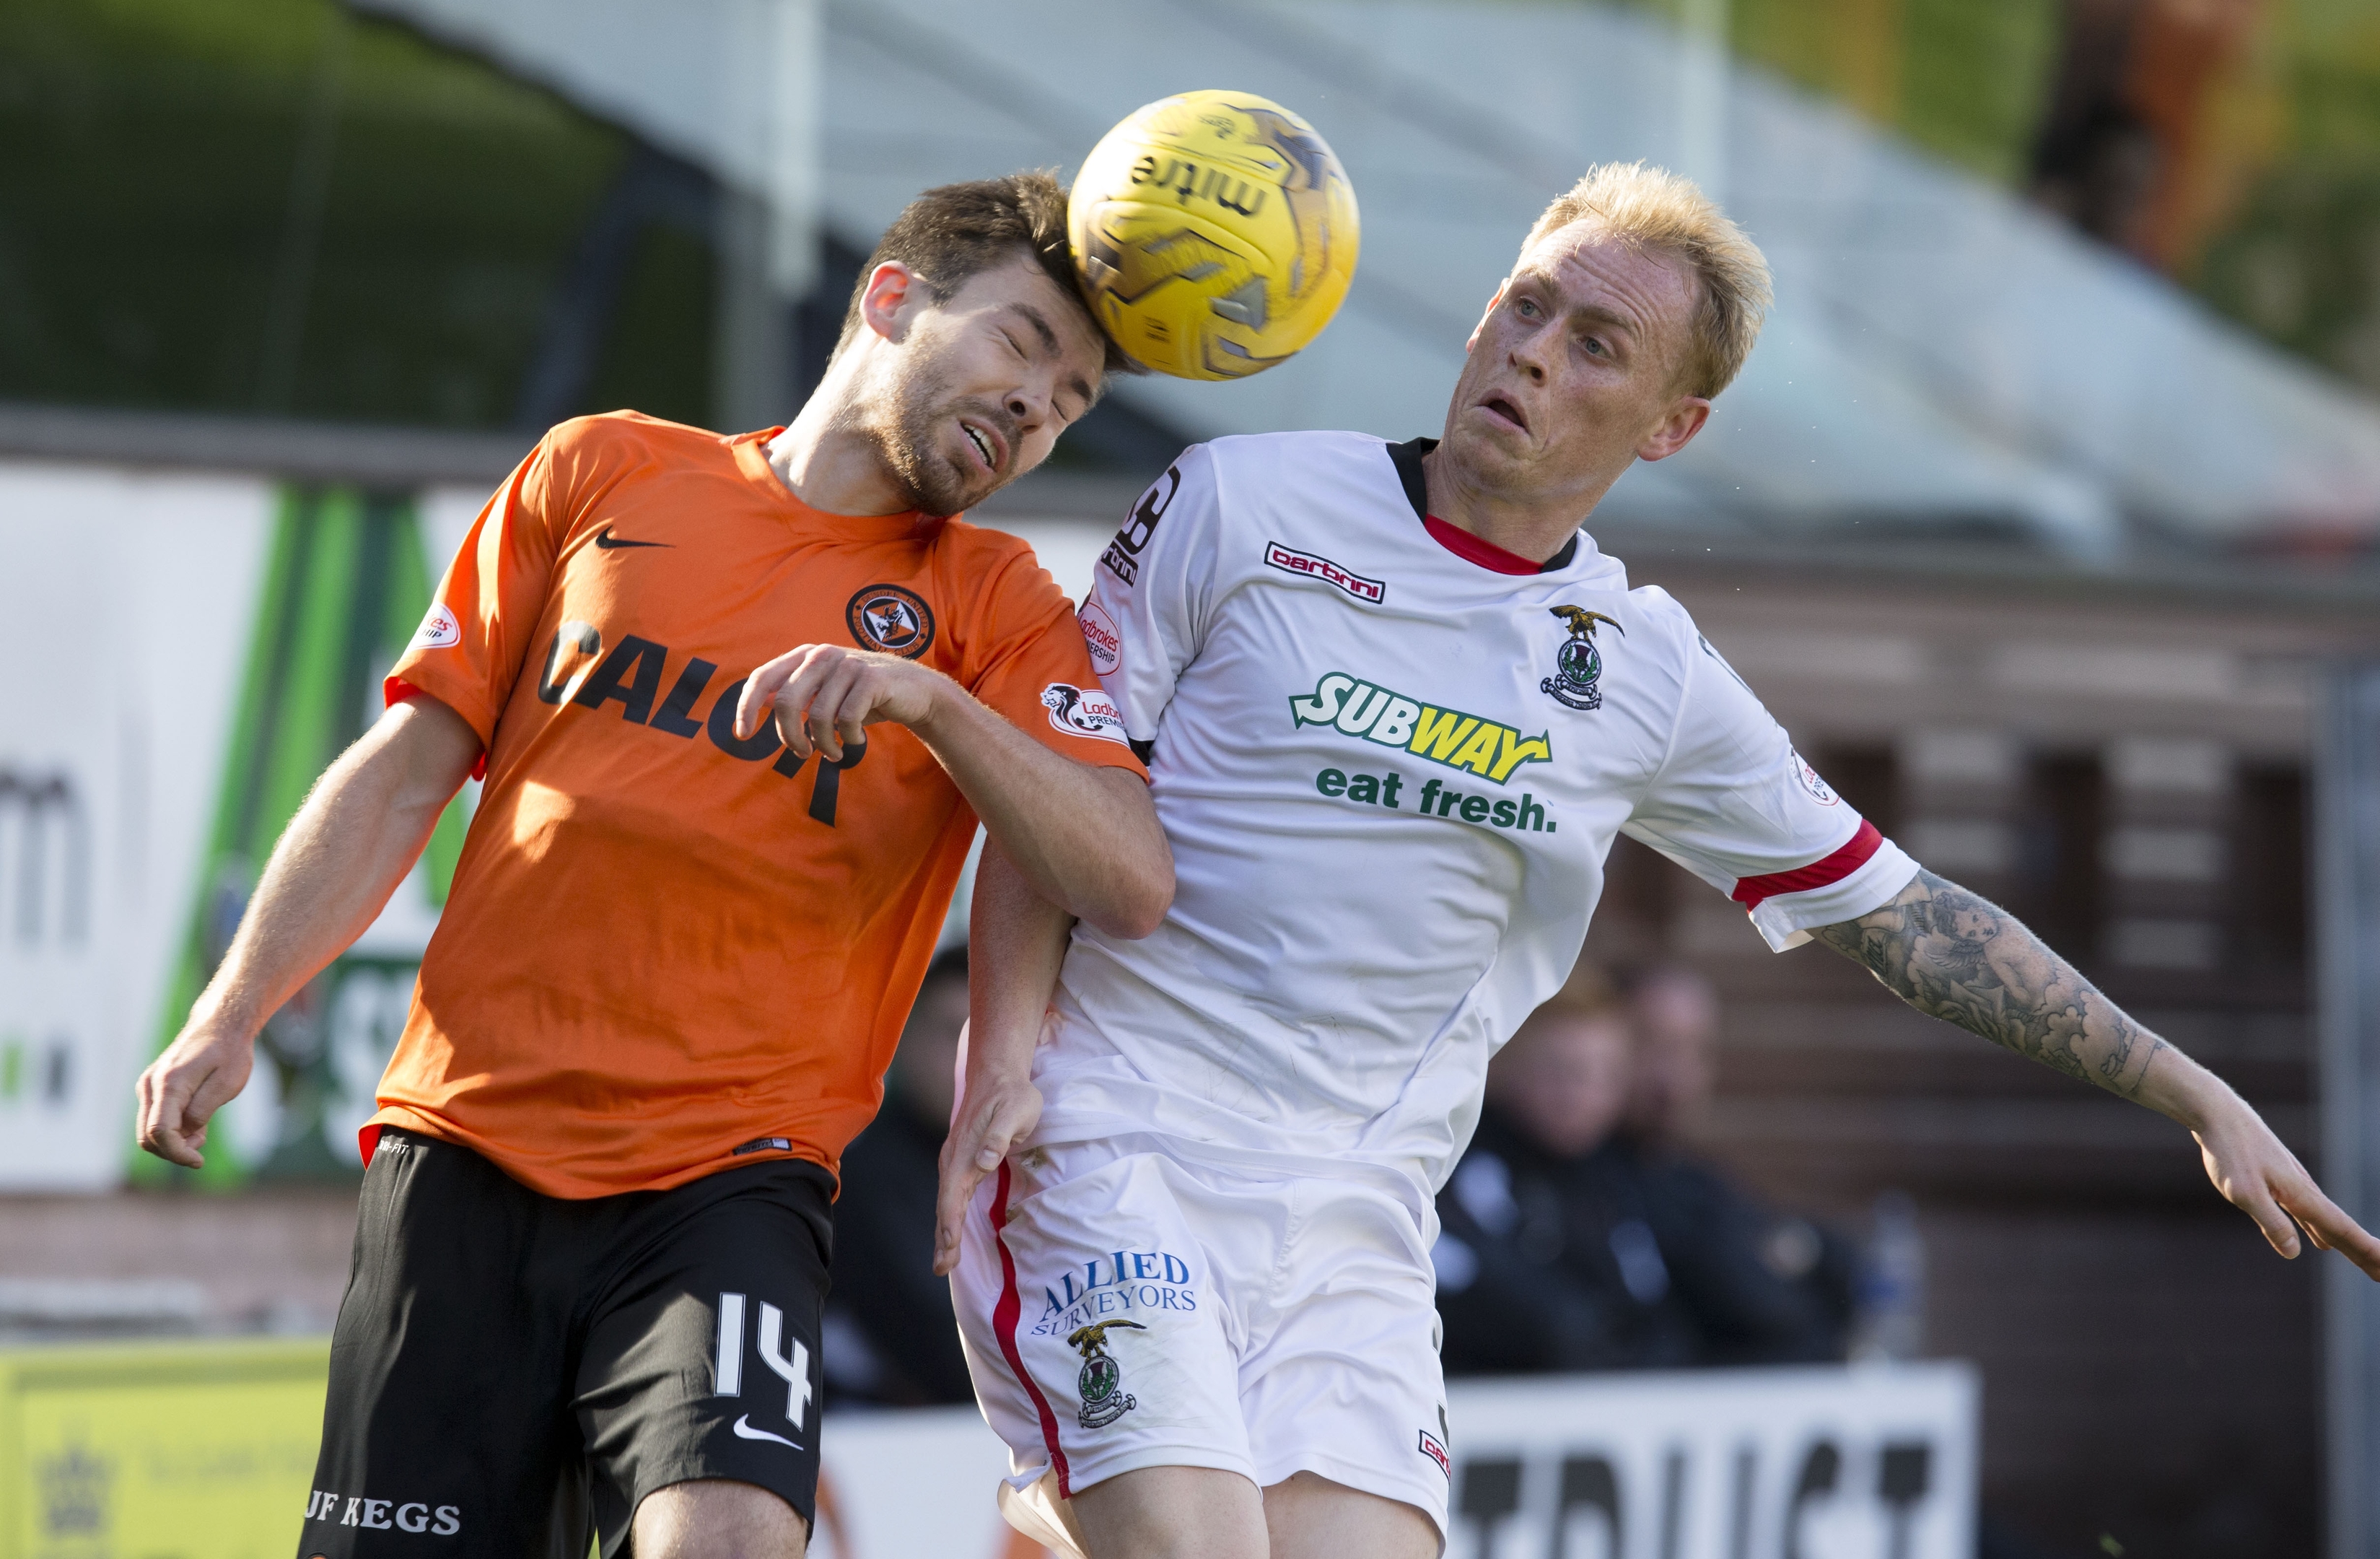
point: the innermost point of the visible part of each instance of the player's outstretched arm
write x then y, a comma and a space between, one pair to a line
1959, 957
1016, 941
1087, 839
362, 829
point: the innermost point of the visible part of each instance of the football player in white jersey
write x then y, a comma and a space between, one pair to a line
1396, 705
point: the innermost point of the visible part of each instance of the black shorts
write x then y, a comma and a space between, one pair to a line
513, 1373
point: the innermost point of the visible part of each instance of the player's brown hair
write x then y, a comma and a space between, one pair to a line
1655, 209
955, 231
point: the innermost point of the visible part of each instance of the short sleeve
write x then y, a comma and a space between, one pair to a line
1027, 661
1734, 804
1146, 615
469, 649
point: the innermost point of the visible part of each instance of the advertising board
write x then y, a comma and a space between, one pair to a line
192, 650
159, 1450
1816, 1463
206, 1451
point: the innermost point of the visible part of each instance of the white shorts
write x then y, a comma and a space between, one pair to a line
1123, 1308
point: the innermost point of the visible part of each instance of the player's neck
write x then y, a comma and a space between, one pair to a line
1527, 525
830, 459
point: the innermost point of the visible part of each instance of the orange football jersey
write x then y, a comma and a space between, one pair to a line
665, 945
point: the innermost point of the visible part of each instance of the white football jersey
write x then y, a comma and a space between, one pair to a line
1391, 770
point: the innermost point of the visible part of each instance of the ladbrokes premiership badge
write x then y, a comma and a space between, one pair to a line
1577, 664
1101, 1381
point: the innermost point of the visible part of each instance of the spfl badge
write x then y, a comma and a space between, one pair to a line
1577, 663
1101, 1382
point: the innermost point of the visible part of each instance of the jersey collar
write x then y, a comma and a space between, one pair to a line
1407, 458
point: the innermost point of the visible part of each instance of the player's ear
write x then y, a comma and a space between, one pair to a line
1676, 428
892, 295
1484, 313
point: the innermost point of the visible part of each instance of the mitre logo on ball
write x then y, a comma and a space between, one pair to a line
1215, 233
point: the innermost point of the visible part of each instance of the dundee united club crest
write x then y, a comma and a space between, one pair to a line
891, 619
1578, 664
1101, 1381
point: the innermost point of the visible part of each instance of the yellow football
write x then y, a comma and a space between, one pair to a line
1216, 234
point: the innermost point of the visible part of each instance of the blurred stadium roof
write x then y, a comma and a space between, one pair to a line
1943, 360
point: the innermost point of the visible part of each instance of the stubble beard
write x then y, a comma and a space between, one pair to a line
931, 481
926, 480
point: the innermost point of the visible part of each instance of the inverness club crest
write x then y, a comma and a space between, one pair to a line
1577, 663
1101, 1381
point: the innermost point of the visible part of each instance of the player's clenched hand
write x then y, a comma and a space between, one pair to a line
993, 1115
199, 1074
823, 697
2264, 1179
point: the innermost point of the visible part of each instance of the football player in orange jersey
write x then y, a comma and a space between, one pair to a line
739, 701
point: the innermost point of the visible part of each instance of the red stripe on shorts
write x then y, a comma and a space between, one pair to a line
1004, 1317
1750, 891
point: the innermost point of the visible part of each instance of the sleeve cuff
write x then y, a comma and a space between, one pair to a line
1865, 873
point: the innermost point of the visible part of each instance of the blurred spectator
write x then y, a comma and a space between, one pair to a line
1578, 1233
1673, 1016
890, 1338
1547, 1259
1760, 1287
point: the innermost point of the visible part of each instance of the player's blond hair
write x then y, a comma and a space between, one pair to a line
1655, 209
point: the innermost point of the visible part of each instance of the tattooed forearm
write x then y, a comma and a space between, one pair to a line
1961, 958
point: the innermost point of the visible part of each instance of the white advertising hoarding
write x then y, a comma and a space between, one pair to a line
187, 652
1819, 1463
125, 608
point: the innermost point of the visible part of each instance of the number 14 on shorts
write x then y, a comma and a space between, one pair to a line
785, 1356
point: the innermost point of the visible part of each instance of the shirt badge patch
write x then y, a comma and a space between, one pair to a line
1101, 638
439, 629
1101, 1381
1578, 664
1312, 567
1820, 791
1080, 711
891, 619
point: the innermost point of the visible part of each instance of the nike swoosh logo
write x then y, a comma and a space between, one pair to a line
744, 1429
606, 541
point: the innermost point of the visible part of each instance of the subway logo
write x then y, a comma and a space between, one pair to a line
1462, 741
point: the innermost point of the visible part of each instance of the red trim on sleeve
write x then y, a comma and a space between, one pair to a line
1004, 1317
1750, 891
1487, 554
395, 691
